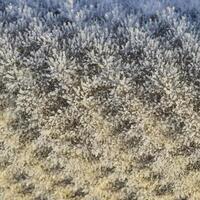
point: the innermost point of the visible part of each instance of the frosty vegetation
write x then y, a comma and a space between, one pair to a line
99, 100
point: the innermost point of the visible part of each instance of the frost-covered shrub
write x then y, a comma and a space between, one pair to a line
99, 99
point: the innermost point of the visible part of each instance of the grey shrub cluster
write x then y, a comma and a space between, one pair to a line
96, 80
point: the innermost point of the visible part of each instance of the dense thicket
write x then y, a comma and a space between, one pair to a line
100, 99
